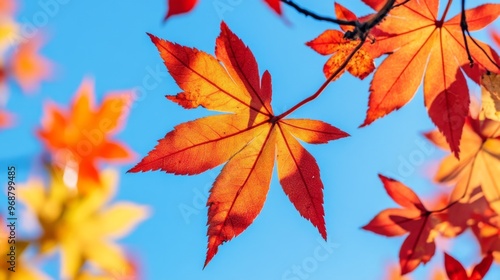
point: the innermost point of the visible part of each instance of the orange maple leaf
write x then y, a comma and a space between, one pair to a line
28, 67
456, 271
479, 164
177, 7
249, 139
421, 224
82, 135
422, 45
332, 42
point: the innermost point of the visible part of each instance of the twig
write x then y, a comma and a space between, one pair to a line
324, 85
360, 32
465, 33
308, 13
465, 28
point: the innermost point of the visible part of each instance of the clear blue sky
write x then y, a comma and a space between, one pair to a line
107, 40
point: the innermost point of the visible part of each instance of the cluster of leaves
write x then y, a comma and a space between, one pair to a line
417, 44
19, 58
73, 211
71, 201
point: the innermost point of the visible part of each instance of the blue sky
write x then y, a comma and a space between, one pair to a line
106, 40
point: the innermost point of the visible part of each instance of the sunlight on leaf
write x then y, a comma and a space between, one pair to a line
248, 140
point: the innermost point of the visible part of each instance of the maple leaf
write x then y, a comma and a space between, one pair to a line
29, 68
421, 224
421, 45
82, 226
82, 135
177, 7
332, 42
248, 139
456, 271
479, 163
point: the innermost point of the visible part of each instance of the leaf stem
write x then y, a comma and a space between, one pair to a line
446, 10
360, 32
465, 32
324, 85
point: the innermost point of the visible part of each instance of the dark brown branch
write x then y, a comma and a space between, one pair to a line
308, 13
465, 33
465, 29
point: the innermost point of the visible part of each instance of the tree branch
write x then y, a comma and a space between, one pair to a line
325, 84
360, 32
308, 13
465, 33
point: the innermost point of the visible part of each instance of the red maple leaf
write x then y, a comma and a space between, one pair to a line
248, 140
421, 45
456, 271
413, 218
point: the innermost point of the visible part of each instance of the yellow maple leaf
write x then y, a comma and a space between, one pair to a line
81, 225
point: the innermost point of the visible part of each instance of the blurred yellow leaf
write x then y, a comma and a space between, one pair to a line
81, 225
23, 269
8, 33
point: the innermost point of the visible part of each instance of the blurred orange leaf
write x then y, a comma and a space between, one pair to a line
83, 134
496, 37
28, 67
